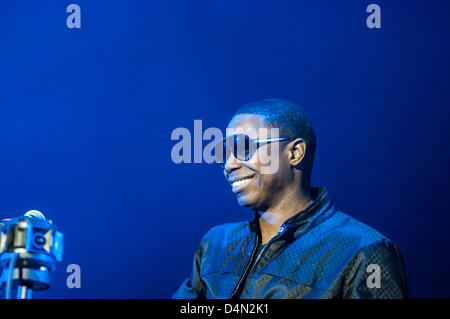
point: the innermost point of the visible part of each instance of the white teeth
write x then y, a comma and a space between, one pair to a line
240, 182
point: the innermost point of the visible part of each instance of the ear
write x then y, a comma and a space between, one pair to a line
297, 151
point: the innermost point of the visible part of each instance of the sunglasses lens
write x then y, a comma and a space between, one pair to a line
239, 145
220, 152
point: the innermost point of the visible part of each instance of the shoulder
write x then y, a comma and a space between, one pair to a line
358, 243
347, 229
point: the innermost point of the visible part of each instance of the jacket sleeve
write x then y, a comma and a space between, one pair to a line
376, 272
193, 287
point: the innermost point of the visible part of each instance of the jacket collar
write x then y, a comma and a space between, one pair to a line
314, 213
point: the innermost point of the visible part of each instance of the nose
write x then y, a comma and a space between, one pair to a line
231, 164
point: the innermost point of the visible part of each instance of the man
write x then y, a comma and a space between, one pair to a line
298, 245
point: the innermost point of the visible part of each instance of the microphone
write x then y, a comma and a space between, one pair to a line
34, 214
30, 247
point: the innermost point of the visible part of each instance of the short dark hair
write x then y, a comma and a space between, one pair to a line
290, 118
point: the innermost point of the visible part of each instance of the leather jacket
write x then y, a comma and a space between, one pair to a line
318, 253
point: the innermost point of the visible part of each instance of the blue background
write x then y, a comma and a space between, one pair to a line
86, 118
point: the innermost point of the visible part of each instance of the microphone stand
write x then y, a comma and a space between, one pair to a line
23, 292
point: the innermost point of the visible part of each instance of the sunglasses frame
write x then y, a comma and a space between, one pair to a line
255, 141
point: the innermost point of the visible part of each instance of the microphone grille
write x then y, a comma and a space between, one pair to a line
35, 214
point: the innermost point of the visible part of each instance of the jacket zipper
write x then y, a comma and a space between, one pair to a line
256, 261
257, 242
247, 268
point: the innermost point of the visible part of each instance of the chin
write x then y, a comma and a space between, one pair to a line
244, 201
248, 201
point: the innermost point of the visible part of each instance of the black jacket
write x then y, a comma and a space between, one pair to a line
318, 253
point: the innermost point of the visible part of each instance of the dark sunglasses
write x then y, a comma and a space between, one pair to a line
242, 146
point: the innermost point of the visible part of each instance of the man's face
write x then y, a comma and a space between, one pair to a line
253, 187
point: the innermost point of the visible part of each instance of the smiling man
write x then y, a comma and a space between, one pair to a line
298, 245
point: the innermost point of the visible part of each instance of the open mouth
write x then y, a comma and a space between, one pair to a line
240, 183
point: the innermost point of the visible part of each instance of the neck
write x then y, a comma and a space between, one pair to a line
290, 204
